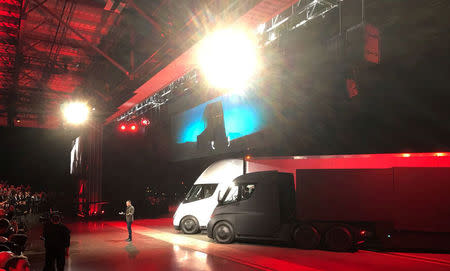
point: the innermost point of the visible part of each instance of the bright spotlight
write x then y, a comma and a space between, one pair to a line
260, 29
75, 112
229, 58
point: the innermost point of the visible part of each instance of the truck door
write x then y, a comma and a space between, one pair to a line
256, 217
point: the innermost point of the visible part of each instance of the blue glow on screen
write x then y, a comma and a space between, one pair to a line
190, 124
243, 115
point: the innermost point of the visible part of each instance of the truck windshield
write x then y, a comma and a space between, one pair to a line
200, 191
238, 192
232, 195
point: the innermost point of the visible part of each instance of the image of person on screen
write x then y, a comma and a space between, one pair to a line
213, 138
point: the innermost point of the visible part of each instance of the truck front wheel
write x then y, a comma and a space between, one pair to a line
223, 233
189, 225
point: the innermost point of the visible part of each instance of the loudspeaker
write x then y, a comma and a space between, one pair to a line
362, 43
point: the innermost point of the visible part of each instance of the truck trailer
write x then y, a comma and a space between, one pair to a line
339, 202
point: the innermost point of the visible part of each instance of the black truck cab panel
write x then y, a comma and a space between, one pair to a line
253, 209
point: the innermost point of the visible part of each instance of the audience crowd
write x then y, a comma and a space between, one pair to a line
17, 205
19, 200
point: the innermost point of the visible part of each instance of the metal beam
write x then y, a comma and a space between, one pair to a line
41, 87
143, 14
132, 45
12, 95
35, 6
164, 2
95, 48
150, 58
41, 54
45, 90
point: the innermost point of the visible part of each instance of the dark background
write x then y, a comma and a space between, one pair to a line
35, 156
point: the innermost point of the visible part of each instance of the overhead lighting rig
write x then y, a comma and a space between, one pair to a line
177, 87
297, 15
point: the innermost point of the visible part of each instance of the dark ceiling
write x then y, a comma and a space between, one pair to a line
43, 61
103, 50
54, 50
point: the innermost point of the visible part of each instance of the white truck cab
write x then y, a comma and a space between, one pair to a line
194, 213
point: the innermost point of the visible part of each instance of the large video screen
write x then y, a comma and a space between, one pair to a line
227, 123
75, 157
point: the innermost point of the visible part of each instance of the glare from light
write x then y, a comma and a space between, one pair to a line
200, 255
272, 36
75, 112
260, 29
228, 59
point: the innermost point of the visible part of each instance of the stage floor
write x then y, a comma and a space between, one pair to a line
157, 246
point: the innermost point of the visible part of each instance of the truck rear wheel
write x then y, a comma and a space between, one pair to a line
339, 238
223, 233
189, 225
306, 237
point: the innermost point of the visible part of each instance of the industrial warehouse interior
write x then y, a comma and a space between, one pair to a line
306, 135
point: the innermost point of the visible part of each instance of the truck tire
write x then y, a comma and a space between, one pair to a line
223, 233
306, 237
339, 238
189, 225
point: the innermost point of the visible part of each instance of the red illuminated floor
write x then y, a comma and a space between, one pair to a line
157, 246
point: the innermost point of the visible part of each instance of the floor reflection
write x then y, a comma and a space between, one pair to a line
187, 258
132, 251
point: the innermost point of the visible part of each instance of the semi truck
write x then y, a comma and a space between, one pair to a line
194, 212
339, 202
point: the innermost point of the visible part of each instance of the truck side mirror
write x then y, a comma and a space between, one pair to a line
218, 197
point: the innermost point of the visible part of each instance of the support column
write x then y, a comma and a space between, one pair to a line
18, 60
90, 181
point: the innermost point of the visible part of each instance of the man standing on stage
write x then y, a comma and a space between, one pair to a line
129, 217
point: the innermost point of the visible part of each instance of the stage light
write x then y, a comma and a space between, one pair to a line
123, 127
260, 29
145, 122
133, 127
75, 112
272, 36
228, 58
